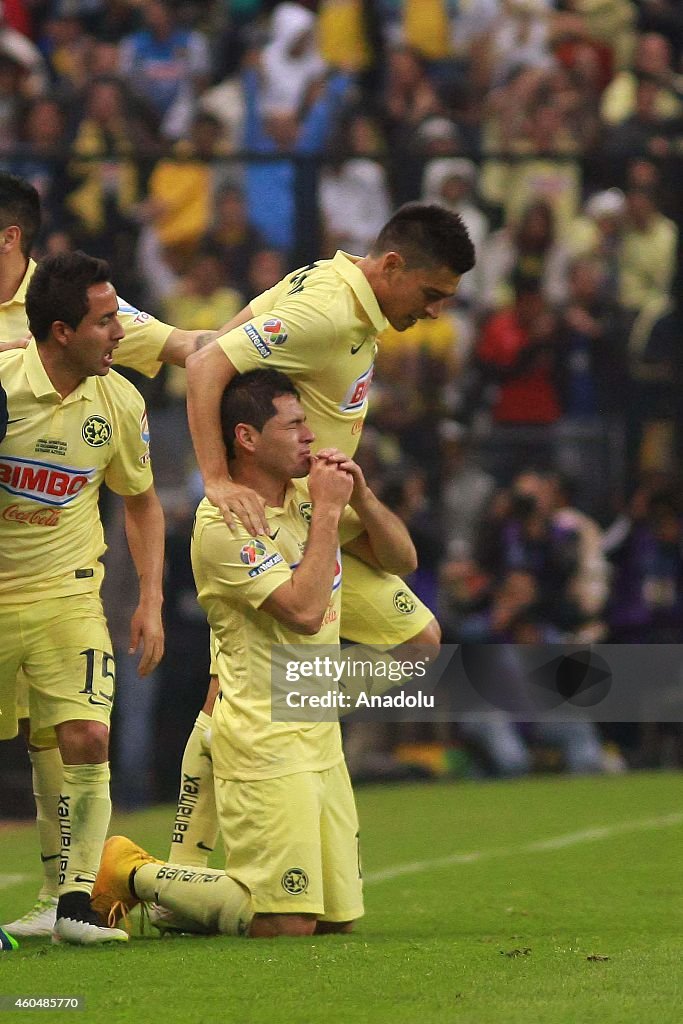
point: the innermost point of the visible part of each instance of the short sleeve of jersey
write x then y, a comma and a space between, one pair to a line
130, 470
244, 569
144, 340
293, 335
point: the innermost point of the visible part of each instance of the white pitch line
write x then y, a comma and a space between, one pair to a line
588, 835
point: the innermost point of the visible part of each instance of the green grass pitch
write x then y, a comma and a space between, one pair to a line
545, 901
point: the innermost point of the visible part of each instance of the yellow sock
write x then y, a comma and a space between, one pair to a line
84, 811
206, 900
47, 783
195, 829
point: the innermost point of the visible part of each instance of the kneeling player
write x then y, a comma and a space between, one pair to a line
284, 799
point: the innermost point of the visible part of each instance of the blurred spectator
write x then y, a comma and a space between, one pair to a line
645, 130
414, 370
270, 185
520, 38
588, 587
409, 97
652, 62
664, 16
592, 355
465, 491
18, 48
518, 351
407, 497
525, 119
343, 34
202, 300
526, 537
531, 250
609, 22
265, 268
11, 101
597, 235
232, 237
179, 204
168, 65
647, 260
450, 182
290, 64
353, 194
67, 47
647, 598
105, 183
41, 157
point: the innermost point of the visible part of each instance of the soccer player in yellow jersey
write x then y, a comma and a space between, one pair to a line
72, 425
146, 345
320, 325
284, 798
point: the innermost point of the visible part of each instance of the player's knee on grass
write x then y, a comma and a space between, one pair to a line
83, 742
334, 927
271, 926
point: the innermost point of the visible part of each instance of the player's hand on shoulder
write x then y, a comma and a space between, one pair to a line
239, 503
7, 346
329, 484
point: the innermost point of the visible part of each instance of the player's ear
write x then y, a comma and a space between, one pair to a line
60, 331
392, 262
10, 238
246, 436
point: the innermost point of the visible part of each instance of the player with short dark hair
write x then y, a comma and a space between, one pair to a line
19, 211
72, 426
282, 788
320, 325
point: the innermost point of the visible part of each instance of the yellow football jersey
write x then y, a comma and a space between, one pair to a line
139, 350
235, 573
56, 454
319, 325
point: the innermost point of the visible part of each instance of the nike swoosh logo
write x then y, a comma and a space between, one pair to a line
209, 849
20, 419
274, 535
54, 856
90, 880
357, 348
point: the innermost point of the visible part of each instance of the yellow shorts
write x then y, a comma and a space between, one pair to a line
378, 608
293, 842
58, 653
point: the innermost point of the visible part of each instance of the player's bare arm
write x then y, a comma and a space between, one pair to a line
145, 534
181, 344
209, 371
7, 346
301, 603
386, 543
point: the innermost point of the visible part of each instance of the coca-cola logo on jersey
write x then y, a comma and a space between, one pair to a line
35, 517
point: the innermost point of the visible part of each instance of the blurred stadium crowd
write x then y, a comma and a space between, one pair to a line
531, 437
